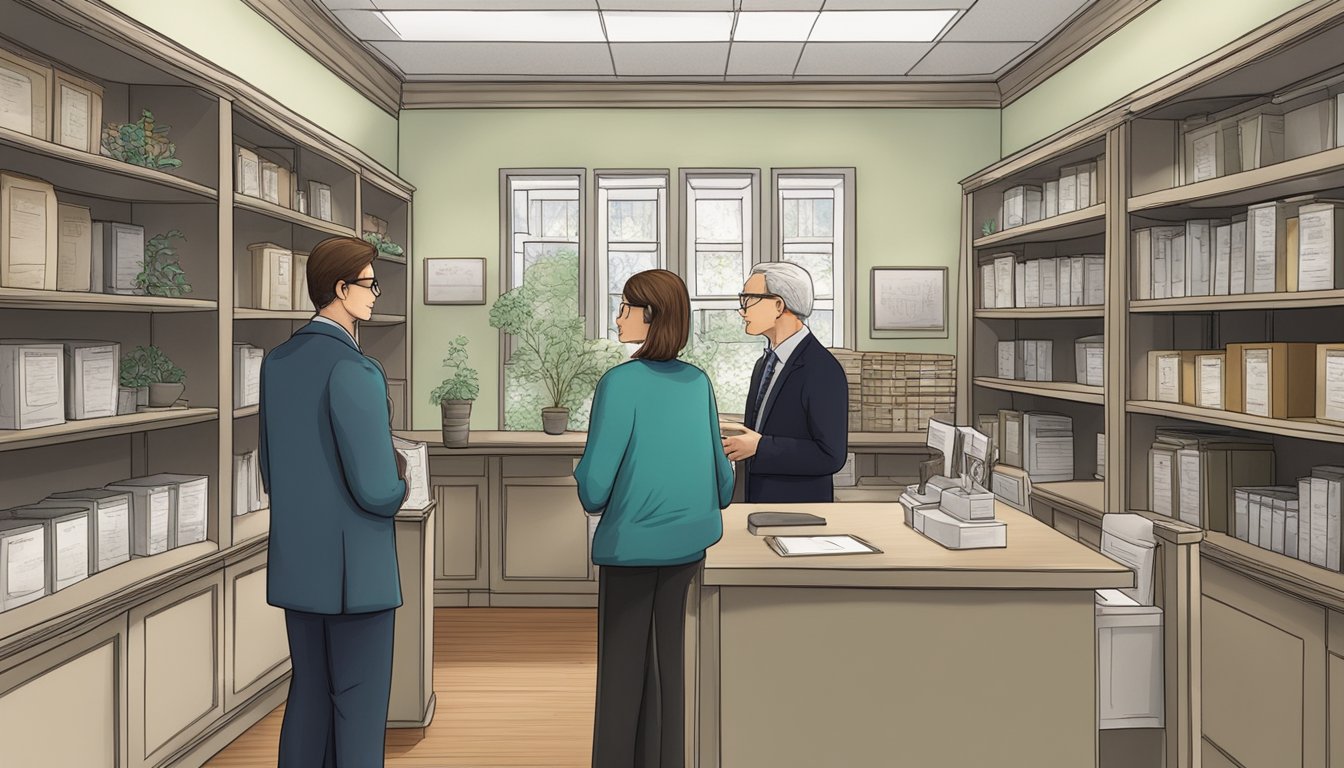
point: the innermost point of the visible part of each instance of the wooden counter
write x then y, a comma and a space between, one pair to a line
491, 443
917, 656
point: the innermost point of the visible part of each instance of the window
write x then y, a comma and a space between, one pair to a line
545, 215
631, 232
813, 229
721, 211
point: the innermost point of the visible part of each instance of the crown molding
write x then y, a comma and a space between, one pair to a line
494, 95
311, 27
1098, 22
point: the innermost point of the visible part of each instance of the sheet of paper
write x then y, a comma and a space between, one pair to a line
73, 250
252, 370
324, 203
1189, 486
72, 549
1161, 479
16, 101
160, 504
1334, 386
114, 540
191, 511
98, 385
820, 545
1205, 150
27, 238
1263, 253
270, 183
1169, 378
250, 172
41, 378
1316, 248
74, 118
26, 555
1256, 378
1210, 382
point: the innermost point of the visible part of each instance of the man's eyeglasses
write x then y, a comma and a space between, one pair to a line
748, 300
372, 286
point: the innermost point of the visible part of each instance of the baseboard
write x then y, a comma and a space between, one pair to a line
232, 725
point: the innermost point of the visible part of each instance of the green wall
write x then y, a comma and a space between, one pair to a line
1166, 37
236, 38
908, 161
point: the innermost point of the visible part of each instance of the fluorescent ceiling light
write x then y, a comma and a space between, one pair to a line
520, 26
774, 26
681, 27
880, 26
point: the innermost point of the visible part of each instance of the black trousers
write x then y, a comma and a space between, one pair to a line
336, 714
641, 623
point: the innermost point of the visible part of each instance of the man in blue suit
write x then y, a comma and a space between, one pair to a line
797, 424
335, 484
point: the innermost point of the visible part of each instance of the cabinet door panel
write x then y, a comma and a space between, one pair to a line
459, 513
258, 643
545, 533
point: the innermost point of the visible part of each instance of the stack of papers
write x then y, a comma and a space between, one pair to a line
841, 544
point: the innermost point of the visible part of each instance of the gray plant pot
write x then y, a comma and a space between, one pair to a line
554, 421
126, 400
142, 395
163, 395
456, 422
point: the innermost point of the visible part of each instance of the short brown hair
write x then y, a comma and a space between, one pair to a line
667, 310
333, 260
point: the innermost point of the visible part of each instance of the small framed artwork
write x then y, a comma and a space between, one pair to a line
909, 299
454, 281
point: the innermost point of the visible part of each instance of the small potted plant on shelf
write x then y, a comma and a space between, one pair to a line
134, 383
150, 365
455, 395
141, 143
163, 274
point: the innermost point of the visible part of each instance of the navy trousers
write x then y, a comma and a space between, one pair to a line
342, 676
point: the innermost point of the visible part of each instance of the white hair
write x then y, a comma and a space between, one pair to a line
789, 282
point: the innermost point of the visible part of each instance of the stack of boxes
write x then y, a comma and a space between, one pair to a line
901, 391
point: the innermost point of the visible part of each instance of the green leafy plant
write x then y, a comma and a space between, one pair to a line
162, 274
141, 143
989, 227
462, 384
143, 366
550, 347
383, 244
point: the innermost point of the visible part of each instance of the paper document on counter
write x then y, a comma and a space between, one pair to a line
843, 544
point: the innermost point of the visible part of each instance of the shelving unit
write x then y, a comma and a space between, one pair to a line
1243, 602
206, 600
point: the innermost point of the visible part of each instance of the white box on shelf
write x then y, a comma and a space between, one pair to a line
299, 267
246, 374
1307, 130
248, 172
1199, 252
1050, 199
32, 384
23, 562
270, 181
191, 506
988, 295
1089, 361
74, 249
1021, 205
272, 277
79, 113
151, 514
319, 200
1211, 150
29, 235
1261, 140
92, 375
25, 95
120, 248
68, 559
110, 519
1320, 258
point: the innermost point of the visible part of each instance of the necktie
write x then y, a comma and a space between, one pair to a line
770, 360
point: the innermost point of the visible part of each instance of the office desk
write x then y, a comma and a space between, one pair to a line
919, 656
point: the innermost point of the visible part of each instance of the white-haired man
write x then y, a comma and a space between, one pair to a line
797, 429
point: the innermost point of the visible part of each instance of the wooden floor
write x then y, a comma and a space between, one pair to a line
514, 686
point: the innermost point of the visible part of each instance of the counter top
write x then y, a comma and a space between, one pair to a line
497, 443
1037, 556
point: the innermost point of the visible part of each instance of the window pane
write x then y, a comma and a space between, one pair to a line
719, 273
613, 306
729, 368
819, 265
724, 325
718, 220
632, 221
820, 324
805, 218
534, 252
823, 218
622, 265
790, 214
555, 218
573, 218
519, 211
533, 217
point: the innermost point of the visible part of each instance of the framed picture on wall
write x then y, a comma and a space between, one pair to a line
909, 299
455, 281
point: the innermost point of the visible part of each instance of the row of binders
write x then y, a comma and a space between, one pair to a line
1078, 187
48, 103
1301, 522
1277, 380
1033, 360
49, 245
1064, 281
1039, 443
44, 383
264, 174
249, 493
1241, 139
1285, 246
279, 278
65, 538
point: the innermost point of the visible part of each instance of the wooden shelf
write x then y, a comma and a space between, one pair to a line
1059, 390
86, 173
246, 313
1260, 301
392, 259
281, 213
1305, 429
250, 410
1312, 173
1068, 226
1042, 313
1084, 496
252, 526
28, 298
888, 442
1289, 574
90, 429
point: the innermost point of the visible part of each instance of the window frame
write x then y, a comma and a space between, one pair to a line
844, 316
593, 268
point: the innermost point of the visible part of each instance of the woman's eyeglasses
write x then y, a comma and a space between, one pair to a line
746, 301
372, 286
626, 307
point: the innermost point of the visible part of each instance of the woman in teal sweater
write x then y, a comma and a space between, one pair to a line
654, 468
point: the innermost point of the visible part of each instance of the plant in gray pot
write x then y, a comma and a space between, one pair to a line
549, 346
455, 395
150, 365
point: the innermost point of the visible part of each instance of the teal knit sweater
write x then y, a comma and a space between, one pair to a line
654, 465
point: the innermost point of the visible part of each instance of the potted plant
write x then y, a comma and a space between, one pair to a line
141, 143
163, 274
165, 380
550, 348
455, 395
134, 377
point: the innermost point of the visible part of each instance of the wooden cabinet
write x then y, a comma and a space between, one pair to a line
411, 701
540, 540
256, 646
461, 489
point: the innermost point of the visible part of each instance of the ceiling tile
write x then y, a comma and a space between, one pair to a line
338, 4
888, 59
782, 5
498, 58
483, 5
969, 58
366, 25
1002, 20
764, 58
667, 5
670, 59
895, 5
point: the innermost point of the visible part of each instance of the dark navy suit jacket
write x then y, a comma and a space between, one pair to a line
327, 462
805, 429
